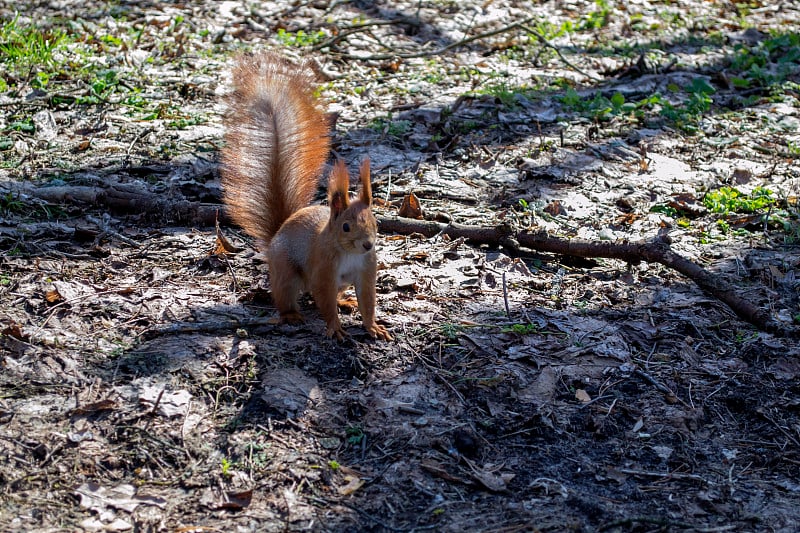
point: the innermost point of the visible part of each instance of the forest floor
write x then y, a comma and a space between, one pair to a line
524, 391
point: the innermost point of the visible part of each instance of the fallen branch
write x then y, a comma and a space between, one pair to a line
119, 198
182, 328
655, 251
124, 198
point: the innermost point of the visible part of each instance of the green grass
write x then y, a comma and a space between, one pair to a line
504, 93
29, 53
22, 124
24, 47
300, 38
598, 18
685, 115
355, 434
391, 128
10, 203
726, 200
521, 329
225, 467
769, 62
599, 107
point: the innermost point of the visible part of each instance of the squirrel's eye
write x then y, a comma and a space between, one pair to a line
345, 227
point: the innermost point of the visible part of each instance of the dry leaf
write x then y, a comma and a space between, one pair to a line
411, 207
555, 208
353, 484
102, 405
236, 501
349, 304
438, 469
493, 482
290, 391
99, 499
169, 403
14, 330
52, 296
223, 245
70, 291
488, 476
416, 256
95, 524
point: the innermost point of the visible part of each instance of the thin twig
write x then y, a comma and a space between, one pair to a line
443, 49
665, 475
541, 38
364, 26
154, 411
371, 517
663, 388
788, 435
505, 295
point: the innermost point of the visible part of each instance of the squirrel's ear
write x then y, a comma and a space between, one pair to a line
338, 197
366, 185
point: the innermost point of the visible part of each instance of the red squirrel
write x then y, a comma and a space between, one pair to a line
277, 140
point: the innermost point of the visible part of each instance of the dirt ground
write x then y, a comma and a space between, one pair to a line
144, 388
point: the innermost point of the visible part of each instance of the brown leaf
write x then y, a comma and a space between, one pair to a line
555, 208
14, 330
438, 469
416, 256
52, 296
223, 245
687, 205
411, 207
627, 219
353, 484
749, 221
489, 478
236, 501
102, 405
742, 175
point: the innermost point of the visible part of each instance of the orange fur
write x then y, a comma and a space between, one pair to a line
276, 143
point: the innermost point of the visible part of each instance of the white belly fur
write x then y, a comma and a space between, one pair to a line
349, 267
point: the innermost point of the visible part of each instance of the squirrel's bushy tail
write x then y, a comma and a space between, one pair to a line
276, 143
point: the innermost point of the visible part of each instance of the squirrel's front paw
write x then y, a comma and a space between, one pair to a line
378, 332
336, 330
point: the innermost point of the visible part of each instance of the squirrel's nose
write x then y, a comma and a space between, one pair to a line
367, 246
